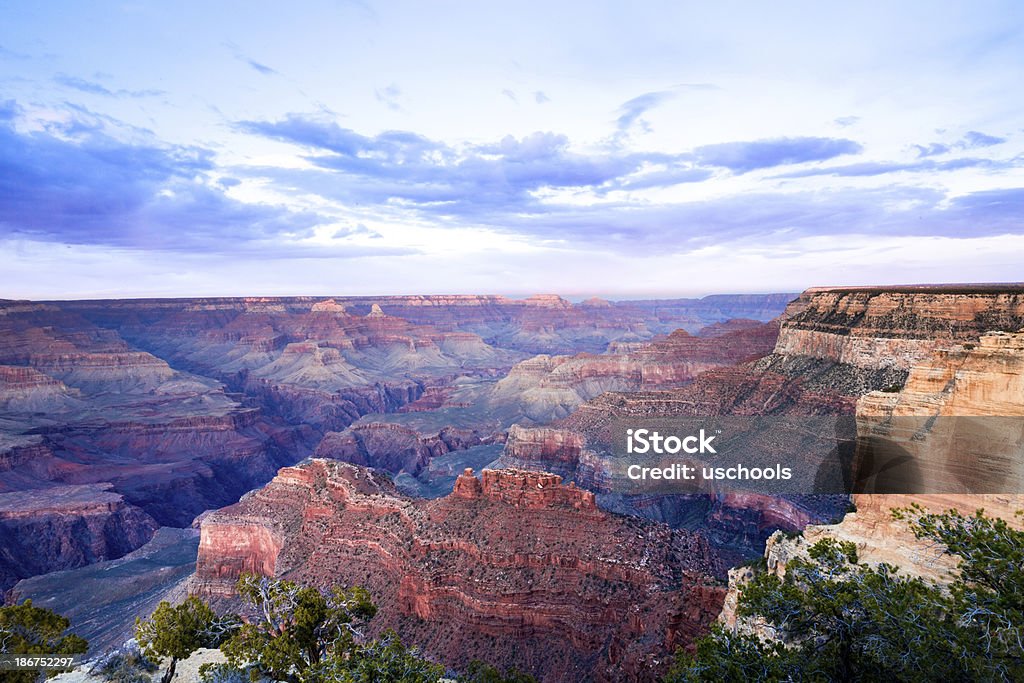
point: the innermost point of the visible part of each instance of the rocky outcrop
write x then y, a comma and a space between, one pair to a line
557, 450
393, 447
934, 424
546, 388
513, 567
896, 326
954, 428
62, 527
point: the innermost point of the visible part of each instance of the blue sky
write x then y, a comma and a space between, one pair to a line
172, 149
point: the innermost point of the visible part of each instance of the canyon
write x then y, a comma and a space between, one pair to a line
456, 454
119, 417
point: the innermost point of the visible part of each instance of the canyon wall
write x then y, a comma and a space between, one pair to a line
513, 567
834, 346
963, 384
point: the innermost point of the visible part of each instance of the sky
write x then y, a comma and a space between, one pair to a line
602, 148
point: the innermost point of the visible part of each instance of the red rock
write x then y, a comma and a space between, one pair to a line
393, 447
514, 568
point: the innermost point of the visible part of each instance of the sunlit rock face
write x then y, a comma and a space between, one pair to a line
513, 567
959, 423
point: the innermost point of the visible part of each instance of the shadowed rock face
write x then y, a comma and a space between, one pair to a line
62, 527
513, 567
958, 426
103, 599
395, 448
101, 443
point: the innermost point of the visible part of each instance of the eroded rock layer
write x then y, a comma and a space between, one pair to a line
513, 567
969, 380
834, 346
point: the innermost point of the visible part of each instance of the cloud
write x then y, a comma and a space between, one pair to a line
520, 186
11, 54
971, 140
93, 88
766, 218
932, 150
511, 95
261, 68
95, 189
631, 111
742, 157
539, 97
846, 121
256, 66
407, 169
8, 110
354, 231
389, 96
877, 168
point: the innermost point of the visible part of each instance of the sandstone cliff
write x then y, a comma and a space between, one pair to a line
967, 384
955, 427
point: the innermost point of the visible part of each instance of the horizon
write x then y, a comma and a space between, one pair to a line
662, 151
937, 287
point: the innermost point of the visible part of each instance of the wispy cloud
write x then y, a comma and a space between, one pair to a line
540, 98
630, 112
260, 67
971, 140
256, 66
389, 96
742, 157
510, 95
94, 88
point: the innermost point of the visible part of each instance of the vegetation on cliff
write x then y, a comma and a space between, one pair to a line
29, 630
839, 620
296, 634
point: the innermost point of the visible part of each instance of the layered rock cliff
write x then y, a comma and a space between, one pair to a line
934, 423
956, 427
395, 448
513, 567
546, 388
834, 346
62, 527
115, 435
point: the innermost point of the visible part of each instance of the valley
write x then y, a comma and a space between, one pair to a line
455, 455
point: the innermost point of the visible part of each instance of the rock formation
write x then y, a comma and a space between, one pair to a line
955, 427
514, 567
62, 527
546, 388
968, 381
393, 447
834, 346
